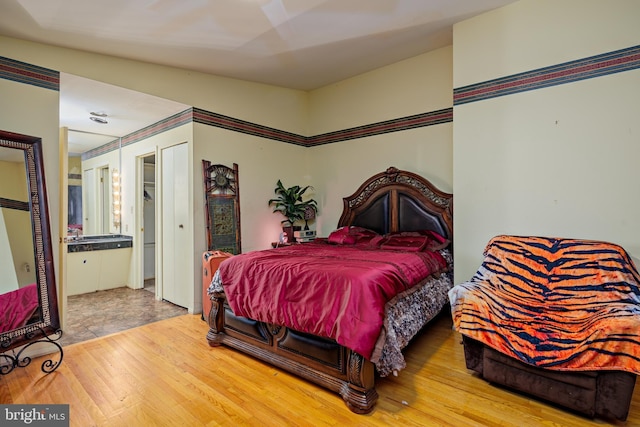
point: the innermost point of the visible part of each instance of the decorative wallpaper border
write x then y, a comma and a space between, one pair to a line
198, 115
395, 125
586, 68
14, 204
22, 72
405, 123
242, 126
581, 69
30, 74
146, 132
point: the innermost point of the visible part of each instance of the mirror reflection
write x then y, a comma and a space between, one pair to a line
28, 297
19, 299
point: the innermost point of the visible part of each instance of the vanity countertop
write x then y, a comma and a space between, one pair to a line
99, 242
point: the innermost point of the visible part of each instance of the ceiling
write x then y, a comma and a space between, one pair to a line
126, 111
290, 43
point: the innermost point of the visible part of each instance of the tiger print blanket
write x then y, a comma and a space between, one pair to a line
562, 304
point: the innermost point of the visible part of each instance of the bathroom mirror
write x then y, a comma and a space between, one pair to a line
28, 298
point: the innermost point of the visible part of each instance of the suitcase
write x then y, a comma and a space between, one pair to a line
210, 262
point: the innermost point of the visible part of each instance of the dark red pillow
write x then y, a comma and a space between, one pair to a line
337, 238
415, 243
434, 241
350, 235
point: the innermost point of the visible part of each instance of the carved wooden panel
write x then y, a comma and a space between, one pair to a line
222, 207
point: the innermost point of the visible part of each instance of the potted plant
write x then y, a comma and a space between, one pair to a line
290, 204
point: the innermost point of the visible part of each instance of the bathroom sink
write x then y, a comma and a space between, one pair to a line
98, 242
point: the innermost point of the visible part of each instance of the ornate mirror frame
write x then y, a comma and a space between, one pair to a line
49, 320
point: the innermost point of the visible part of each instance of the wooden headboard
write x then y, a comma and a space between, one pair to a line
397, 200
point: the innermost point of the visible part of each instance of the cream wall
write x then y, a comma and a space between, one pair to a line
33, 111
341, 168
75, 167
417, 85
559, 161
15, 225
7, 267
132, 204
261, 162
531, 34
281, 108
91, 215
126, 162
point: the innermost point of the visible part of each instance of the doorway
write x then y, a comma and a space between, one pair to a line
149, 222
111, 103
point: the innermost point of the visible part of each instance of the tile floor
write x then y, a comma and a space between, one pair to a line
101, 313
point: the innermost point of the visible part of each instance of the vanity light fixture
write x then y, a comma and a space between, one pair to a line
115, 196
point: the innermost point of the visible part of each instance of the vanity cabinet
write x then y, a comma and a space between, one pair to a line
97, 267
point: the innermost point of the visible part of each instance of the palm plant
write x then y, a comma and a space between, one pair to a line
289, 202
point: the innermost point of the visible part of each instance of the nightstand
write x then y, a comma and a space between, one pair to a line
279, 245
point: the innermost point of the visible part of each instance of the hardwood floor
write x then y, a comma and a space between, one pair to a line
165, 374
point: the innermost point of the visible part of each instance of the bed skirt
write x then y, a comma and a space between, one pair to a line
605, 394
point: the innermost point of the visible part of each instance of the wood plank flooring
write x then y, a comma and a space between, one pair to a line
165, 374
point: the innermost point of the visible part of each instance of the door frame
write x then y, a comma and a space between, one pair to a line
104, 200
138, 253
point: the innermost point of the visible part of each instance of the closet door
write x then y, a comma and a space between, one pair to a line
175, 225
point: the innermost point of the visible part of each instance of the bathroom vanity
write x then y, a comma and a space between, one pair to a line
97, 263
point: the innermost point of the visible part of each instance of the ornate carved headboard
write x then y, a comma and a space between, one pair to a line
397, 200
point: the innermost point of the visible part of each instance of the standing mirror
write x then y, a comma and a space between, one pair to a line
28, 299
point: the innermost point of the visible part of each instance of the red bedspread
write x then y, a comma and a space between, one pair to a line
17, 307
337, 292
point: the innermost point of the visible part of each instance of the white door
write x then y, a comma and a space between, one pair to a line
89, 202
175, 225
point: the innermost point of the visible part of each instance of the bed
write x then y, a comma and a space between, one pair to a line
19, 307
554, 318
394, 208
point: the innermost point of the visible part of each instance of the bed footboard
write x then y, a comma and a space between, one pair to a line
320, 360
